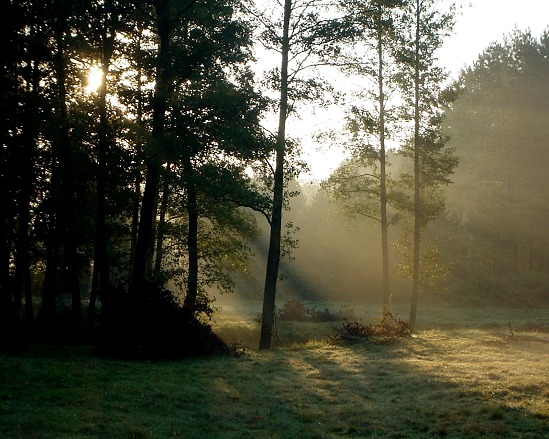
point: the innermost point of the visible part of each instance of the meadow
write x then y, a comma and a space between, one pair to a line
464, 374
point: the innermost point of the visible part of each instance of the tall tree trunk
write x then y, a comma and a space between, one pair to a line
417, 181
49, 286
383, 176
100, 281
273, 258
67, 181
137, 181
154, 163
26, 178
146, 227
6, 295
8, 105
22, 250
162, 223
192, 237
136, 201
61, 219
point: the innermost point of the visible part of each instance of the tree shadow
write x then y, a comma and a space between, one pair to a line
410, 389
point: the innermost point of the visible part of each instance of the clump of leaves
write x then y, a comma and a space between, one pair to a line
391, 329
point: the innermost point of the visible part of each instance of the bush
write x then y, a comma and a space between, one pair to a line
391, 329
154, 325
295, 311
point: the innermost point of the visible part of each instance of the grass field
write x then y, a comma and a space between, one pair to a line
451, 380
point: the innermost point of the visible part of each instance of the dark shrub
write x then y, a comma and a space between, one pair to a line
154, 325
295, 311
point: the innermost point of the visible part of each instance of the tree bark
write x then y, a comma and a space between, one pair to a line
162, 223
49, 286
273, 258
62, 193
136, 201
27, 180
192, 237
149, 202
6, 295
383, 175
417, 181
101, 265
67, 181
22, 259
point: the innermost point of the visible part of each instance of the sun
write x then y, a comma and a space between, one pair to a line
95, 78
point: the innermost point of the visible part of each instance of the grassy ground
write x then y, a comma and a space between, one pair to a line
469, 382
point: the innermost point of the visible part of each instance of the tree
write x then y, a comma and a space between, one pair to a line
305, 39
44, 152
62, 136
232, 141
196, 43
11, 59
105, 23
372, 27
498, 128
421, 31
167, 16
177, 104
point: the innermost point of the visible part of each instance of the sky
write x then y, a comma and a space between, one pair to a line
478, 23
481, 22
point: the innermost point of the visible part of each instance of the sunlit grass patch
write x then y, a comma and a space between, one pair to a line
458, 383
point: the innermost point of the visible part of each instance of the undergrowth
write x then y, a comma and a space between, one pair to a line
296, 311
389, 330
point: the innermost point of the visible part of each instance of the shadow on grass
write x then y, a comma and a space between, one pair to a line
314, 391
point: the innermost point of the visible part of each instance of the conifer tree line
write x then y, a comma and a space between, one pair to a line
150, 181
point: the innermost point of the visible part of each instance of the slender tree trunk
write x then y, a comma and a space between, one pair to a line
93, 296
48, 305
22, 252
192, 237
154, 163
49, 286
137, 181
146, 227
100, 281
417, 181
152, 241
135, 220
62, 193
383, 176
273, 258
29, 307
67, 182
162, 223
6, 295
22, 260
6, 106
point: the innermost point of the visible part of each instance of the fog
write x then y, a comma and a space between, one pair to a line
493, 236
